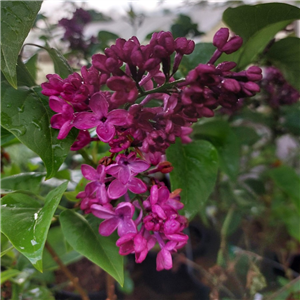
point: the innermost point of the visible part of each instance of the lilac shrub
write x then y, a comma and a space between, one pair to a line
122, 190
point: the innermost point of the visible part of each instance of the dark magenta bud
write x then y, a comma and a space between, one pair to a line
220, 38
232, 45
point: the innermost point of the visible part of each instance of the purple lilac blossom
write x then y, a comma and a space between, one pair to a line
139, 135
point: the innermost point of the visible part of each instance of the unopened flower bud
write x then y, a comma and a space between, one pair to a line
254, 73
231, 85
232, 45
220, 38
165, 167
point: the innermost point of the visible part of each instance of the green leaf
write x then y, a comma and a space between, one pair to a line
26, 223
17, 18
288, 181
220, 134
61, 66
246, 135
195, 171
84, 237
38, 293
6, 136
285, 54
24, 181
56, 240
257, 25
71, 196
291, 117
23, 75
5, 275
26, 114
246, 20
31, 65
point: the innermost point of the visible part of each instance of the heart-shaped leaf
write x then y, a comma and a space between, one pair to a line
82, 234
26, 223
26, 113
17, 18
195, 172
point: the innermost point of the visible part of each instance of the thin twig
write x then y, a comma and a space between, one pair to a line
110, 288
206, 274
66, 271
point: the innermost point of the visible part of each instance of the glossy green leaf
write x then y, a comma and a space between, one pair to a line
195, 171
17, 18
26, 223
23, 75
25, 113
288, 181
24, 181
246, 20
220, 134
82, 234
31, 65
285, 54
5, 275
56, 240
61, 66
6, 136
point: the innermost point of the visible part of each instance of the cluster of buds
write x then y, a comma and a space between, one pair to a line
276, 90
123, 190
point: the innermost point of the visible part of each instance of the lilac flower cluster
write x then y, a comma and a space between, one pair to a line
123, 191
276, 90
74, 30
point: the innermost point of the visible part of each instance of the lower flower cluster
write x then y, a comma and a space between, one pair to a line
130, 97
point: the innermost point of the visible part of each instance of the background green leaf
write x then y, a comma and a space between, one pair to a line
288, 181
23, 181
84, 237
26, 114
26, 223
195, 172
56, 240
5, 275
201, 55
220, 134
17, 18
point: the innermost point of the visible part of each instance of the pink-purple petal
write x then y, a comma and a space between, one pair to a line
137, 186
107, 227
116, 189
102, 212
86, 120
99, 105
105, 131
89, 172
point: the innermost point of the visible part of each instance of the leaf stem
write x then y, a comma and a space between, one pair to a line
66, 271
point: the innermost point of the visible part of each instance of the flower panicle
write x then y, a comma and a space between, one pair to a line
123, 192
